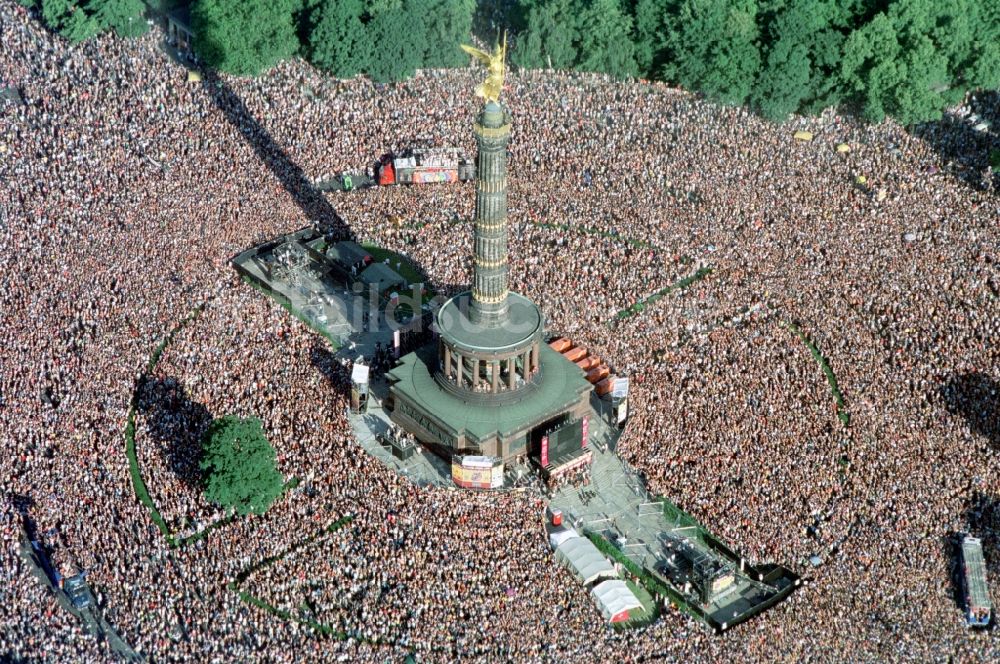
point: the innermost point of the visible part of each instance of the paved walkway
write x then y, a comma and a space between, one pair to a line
615, 503
423, 468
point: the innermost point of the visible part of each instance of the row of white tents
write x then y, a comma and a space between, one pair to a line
612, 595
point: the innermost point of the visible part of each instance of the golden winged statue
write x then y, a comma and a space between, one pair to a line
490, 88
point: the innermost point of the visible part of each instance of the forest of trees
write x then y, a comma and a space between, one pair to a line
905, 58
77, 20
386, 39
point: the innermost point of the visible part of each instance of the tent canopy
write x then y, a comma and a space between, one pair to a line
348, 253
560, 535
582, 558
383, 277
614, 597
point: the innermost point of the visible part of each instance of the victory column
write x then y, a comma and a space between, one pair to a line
469, 392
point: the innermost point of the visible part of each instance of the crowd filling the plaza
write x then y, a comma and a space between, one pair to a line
127, 189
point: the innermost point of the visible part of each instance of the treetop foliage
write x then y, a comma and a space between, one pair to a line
78, 20
386, 39
239, 465
904, 58
244, 37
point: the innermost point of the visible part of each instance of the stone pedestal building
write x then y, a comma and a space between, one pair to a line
490, 380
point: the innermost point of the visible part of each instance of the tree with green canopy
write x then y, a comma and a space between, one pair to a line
79, 26
389, 39
981, 66
55, 12
869, 66
339, 42
713, 47
449, 23
79, 20
69, 19
245, 37
399, 38
784, 82
919, 56
123, 16
550, 35
801, 59
605, 45
239, 465
652, 19
925, 75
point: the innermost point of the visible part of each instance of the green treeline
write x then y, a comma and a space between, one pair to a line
386, 39
905, 58
77, 20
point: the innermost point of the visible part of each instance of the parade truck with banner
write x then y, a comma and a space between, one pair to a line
477, 472
425, 165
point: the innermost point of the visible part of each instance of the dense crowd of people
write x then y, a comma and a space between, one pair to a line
127, 190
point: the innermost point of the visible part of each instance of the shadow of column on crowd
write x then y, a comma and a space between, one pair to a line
312, 202
983, 516
976, 397
956, 140
175, 424
951, 549
22, 505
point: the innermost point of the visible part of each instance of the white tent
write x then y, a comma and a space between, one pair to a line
582, 558
560, 535
615, 600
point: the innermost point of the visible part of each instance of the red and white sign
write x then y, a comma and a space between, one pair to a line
621, 616
545, 451
586, 430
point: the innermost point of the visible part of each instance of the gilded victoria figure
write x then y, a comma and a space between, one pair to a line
490, 88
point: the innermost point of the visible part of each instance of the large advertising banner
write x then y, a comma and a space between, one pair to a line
545, 451
429, 176
477, 472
